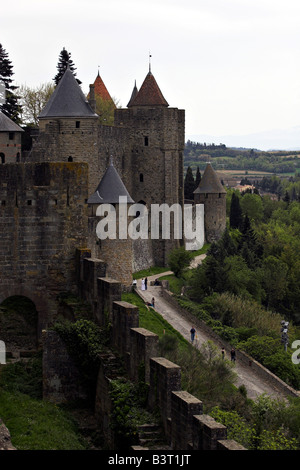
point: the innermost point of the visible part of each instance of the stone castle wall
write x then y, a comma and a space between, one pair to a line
43, 220
10, 147
185, 425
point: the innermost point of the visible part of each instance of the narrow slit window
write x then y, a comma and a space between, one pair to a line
146, 141
141, 178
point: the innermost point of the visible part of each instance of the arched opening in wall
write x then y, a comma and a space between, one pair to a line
70, 159
2, 157
18, 324
138, 213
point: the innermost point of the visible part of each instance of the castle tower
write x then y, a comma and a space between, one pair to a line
155, 153
10, 140
68, 128
212, 194
101, 90
115, 252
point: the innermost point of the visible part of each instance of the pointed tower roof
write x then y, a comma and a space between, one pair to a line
101, 90
149, 94
7, 125
133, 94
210, 182
110, 188
67, 100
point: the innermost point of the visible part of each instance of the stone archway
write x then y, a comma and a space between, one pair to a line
42, 303
19, 324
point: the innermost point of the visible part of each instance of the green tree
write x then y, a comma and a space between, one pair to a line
64, 62
198, 178
189, 184
274, 276
10, 107
235, 215
33, 101
251, 205
249, 244
105, 110
178, 261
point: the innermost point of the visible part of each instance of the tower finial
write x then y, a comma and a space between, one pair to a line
150, 62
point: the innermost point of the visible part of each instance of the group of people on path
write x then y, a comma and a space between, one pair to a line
192, 331
232, 352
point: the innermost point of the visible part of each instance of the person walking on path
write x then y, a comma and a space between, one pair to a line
223, 353
193, 331
233, 355
143, 284
146, 281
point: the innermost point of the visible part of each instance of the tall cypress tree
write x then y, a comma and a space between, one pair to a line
64, 61
189, 184
10, 106
198, 178
235, 216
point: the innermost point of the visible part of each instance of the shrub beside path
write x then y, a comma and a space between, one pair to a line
255, 385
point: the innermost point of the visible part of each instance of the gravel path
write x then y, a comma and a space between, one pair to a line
254, 384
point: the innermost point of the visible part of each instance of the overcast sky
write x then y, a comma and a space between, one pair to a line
233, 65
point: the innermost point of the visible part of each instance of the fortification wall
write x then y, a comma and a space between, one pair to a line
69, 140
42, 219
185, 425
10, 147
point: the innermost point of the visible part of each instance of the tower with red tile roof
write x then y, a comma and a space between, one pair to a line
155, 152
101, 90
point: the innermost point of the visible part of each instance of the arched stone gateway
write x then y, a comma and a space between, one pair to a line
19, 324
28, 312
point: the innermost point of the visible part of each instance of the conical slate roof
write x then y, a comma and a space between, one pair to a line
110, 188
149, 94
7, 125
133, 95
210, 182
67, 100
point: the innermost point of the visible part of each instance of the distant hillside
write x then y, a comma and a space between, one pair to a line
242, 160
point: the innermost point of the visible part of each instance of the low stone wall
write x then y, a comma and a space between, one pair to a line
244, 358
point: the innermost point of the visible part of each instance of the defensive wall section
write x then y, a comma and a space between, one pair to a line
43, 219
184, 424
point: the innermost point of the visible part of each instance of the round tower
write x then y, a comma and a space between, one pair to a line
212, 195
108, 209
68, 128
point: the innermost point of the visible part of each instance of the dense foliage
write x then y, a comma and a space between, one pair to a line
64, 62
10, 106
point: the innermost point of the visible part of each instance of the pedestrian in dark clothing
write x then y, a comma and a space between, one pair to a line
233, 355
146, 281
223, 353
193, 331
